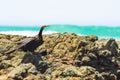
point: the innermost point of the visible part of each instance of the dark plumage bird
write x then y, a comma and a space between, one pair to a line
30, 44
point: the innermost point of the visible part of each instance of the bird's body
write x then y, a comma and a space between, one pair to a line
31, 44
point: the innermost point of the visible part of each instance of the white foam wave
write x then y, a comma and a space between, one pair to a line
26, 33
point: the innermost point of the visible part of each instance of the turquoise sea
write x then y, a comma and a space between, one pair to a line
101, 31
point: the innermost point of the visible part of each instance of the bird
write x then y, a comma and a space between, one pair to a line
31, 43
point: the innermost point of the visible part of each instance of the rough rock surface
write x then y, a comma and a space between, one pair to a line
61, 57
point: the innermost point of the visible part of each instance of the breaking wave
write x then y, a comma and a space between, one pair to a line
26, 33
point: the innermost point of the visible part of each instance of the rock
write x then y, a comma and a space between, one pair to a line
85, 59
3, 77
61, 57
105, 53
118, 74
12, 60
22, 71
16, 38
35, 77
71, 72
92, 38
109, 44
109, 76
42, 66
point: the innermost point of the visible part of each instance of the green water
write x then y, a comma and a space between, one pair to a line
101, 31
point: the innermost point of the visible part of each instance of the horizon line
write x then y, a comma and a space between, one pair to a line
60, 24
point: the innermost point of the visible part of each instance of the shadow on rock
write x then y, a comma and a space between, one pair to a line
36, 60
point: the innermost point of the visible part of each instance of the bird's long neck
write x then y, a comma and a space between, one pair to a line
40, 33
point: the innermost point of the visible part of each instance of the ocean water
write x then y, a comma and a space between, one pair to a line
100, 31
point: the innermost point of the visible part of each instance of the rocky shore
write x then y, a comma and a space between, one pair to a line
61, 57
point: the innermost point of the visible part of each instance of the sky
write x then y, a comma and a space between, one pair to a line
77, 12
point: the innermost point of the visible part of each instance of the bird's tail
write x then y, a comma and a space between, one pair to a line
11, 51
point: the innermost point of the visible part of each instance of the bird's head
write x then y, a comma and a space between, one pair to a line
44, 26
